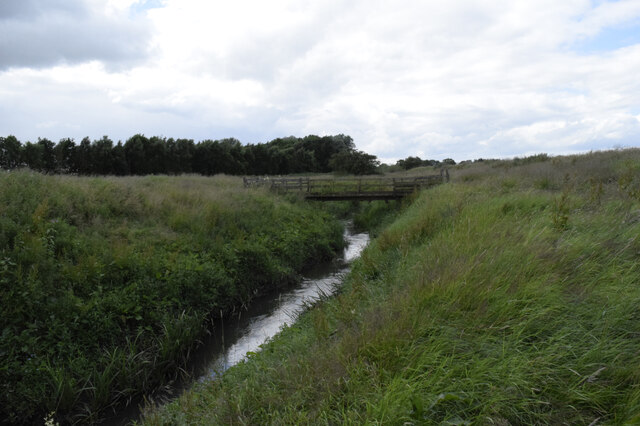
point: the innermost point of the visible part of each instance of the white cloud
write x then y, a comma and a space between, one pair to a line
437, 79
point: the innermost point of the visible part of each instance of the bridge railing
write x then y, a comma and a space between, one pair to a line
347, 186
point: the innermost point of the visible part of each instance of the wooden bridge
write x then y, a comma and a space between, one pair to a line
341, 189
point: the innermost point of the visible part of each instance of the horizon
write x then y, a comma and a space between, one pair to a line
383, 163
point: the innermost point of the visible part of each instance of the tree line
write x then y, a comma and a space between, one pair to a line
413, 162
141, 155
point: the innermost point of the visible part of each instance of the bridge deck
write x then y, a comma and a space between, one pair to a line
341, 189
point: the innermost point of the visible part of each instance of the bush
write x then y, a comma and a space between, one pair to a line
106, 283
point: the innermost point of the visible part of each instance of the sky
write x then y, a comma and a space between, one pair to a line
436, 79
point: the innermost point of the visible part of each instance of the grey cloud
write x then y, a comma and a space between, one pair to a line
40, 33
27, 9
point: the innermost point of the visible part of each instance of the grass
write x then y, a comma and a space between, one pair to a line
106, 284
495, 299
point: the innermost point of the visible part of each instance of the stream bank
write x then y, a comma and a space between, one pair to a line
240, 335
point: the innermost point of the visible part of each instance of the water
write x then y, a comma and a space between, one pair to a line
233, 338
266, 316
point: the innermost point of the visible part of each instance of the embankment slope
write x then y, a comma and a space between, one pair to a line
106, 284
509, 296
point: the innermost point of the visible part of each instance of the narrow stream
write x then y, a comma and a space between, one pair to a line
232, 338
267, 315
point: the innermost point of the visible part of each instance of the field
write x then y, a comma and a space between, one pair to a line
106, 284
508, 296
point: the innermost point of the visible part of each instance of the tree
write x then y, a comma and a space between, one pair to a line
410, 163
84, 158
65, 154
257, 158
102, 155
135, 150
32, 156
232, 158
178, 155
303, 160
205, 158
48, 156
119, 158
354, 162
155, 154
140, 155
9, 152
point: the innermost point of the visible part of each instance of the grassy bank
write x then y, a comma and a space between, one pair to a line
509, 296
107, 283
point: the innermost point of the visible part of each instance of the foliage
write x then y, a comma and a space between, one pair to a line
141, 155
413, 162
480, 304
354, 163
107, 283
9, 152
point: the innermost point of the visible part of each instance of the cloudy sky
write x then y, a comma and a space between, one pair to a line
460, 78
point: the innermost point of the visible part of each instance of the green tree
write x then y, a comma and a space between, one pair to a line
9, 152
65, 154
84, 158
48, 158
32, 156
102, 155
354, 162
119, 158
135, 149
156, 155
332, 145
257, 157
183, 155
410, 163
232, 157
178, 156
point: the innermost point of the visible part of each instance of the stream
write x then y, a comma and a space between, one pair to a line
230, 340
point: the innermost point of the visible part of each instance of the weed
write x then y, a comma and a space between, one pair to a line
629, 180
544, 184
106, 284
467, 309
595, 191
560, 212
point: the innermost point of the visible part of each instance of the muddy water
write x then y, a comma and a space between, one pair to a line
233, 338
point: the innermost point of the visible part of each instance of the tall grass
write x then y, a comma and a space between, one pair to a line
490, 300
107, 283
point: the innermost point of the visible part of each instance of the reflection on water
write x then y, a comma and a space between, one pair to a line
269, 314
231, 339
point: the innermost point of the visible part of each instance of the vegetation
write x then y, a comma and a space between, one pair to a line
106, 284
140, 155
413, 162
508, 296
354, 163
